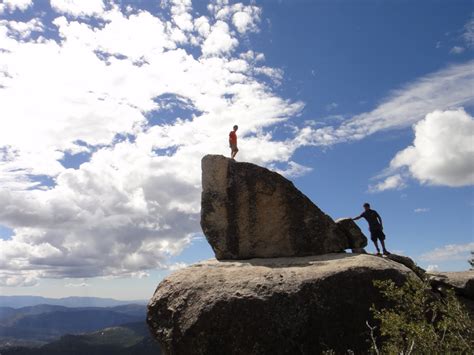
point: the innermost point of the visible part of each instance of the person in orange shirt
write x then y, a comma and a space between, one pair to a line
233, 142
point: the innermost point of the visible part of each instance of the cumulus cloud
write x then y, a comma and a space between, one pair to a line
14, 278
449, 252
252, 56
108, 93
275, 74
22, 30
12, 5
78, 8
246, 19
292, 170
177, 266
181, 14
442, 152
219, 41
392, 182
432, 268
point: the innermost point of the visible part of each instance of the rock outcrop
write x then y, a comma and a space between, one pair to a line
355, 238
462, 282
298, 305
251, 212
283, 284
409, 263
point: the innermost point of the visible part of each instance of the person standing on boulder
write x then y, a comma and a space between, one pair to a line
233, 142
375, 227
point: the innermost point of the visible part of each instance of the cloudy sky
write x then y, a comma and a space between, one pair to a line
106, 108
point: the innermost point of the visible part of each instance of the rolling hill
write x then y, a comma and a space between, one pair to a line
39, 324
127, 339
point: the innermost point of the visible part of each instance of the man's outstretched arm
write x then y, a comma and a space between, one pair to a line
356, 218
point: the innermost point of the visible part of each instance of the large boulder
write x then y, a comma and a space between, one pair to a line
355, 238
251, 212
300, 305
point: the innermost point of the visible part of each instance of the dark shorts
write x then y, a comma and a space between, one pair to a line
377, 233
233, 147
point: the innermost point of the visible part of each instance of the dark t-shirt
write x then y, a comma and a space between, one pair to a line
371, 217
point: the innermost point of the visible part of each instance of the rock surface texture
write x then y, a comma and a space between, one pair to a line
298, 305
409, 263
251, 212
355, 238
462, 282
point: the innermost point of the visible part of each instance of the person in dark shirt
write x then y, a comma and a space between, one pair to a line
375, 227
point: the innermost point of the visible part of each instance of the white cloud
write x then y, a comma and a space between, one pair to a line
276, 75
442, 152
421, 210
252, 56
247, 19
202, 26
80, 284
12, 5
78, 8
392, 182
22, 30
432, 268
135, 201
181, 14
15, 279
468, 34
177, 266
442, 90
449, 252
457, 50
292, 170
219, 41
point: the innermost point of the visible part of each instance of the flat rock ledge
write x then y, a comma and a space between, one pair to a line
300, 305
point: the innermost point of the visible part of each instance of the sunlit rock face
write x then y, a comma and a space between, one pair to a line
248, 211
298, 305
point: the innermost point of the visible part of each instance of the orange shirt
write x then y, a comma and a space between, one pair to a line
232, 138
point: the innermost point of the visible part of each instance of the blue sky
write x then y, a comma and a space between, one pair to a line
107, 109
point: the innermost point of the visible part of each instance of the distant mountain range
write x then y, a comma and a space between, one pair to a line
127, 339
53, 329
45, 322
26, 301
